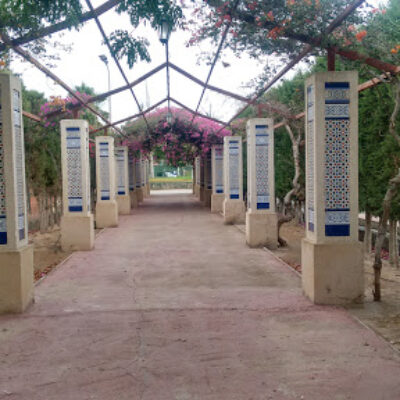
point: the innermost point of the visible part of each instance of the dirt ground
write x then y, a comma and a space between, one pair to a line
383, 317
47, 251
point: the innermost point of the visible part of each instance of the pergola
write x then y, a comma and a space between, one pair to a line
94, 13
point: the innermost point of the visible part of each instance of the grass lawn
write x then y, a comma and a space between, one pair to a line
177, 179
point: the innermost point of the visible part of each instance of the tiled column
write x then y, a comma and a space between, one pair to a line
122, 180
148, 176
194, 177
16, 256
202, 178
233, 205
132, 181
217, 161
332, 258
77, 224
197, 176
138, 171
261, 218
106, 205
143, 171
207, 180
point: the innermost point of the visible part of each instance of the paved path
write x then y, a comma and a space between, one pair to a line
173, 305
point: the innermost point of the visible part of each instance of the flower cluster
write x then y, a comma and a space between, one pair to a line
61, 105
180, 140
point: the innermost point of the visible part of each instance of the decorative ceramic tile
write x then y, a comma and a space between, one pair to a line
337, 159
310, 158
3, 220
219, 169
262, 167
120, 171
234, 182
19, 163
74, 169
197, 161
104, 171
130, 173
138, 173
209, 171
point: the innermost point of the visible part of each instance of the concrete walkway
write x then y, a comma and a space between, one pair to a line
173, 305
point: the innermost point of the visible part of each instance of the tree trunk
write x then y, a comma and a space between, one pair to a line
368, 233
393, 244
43, 221
394, 184
393, 187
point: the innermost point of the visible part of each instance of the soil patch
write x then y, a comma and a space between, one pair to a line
383, 317
47, 251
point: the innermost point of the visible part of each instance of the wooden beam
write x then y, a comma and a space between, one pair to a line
33, 117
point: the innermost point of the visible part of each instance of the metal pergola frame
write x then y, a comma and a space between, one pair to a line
95, 13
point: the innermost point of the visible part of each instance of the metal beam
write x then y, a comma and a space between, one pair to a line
27, 56
332, 26
208, 86
126, 119
49, 30
224, 34
194, 112
107, 42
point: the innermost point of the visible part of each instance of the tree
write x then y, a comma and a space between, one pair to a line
29, 22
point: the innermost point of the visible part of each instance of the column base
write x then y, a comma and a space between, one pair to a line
216, 203
197, 191
207, 198
77, 232
106, 214
16, 280
148, 189
133, 196
139, 195
144, 191
124, 204
234, 211
332, 273
201, 193
262, 230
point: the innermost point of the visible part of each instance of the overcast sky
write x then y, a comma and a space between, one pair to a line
82, 64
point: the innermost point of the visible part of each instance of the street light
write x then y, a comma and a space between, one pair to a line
164, 31
104, 58
168, 117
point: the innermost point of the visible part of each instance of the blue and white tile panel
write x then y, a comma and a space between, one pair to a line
104, 153
234, 181
337, 159
262, 168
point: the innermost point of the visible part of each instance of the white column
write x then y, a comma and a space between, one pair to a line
132, 181
122, 180
207, 180
138, 170
16, 256
332, 260
77, 225
217, 169
233, 205
198, 172
261, 219
106, 206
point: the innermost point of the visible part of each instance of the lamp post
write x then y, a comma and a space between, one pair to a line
104, 58
164, 33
